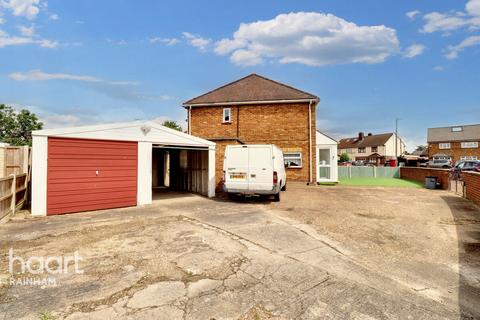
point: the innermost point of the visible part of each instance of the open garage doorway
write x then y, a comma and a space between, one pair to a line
178, 171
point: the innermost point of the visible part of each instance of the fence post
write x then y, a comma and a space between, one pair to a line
374, 172
349, 172
14, 194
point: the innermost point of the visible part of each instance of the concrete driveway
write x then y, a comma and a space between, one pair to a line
323, 252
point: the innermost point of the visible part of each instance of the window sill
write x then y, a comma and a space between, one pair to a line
293, 167
226, 122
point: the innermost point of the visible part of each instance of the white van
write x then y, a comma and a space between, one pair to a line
254, 169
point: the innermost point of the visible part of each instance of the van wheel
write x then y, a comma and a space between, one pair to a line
284, 188
232, 196
276, 197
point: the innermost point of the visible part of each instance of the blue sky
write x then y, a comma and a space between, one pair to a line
84, 62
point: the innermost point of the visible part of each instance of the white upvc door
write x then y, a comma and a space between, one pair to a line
326, 165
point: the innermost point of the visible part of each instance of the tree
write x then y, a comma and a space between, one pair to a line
421, 148
344, 157
172, 125
16, 127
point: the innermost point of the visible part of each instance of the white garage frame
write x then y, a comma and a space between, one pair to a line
145, 133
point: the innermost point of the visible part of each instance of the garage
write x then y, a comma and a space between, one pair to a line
116, 165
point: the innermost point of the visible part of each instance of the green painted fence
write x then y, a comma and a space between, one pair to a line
368, 172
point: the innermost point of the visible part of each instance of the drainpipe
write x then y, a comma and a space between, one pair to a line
310, 141
189, 117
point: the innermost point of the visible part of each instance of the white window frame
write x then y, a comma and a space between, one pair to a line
468, 158
293, 156
364, 150
469, 145
225, 111
444, 145
457, 129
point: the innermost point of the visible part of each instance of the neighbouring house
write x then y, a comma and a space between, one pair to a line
372, 148
327, 162
257, 110
116, 165
454, 143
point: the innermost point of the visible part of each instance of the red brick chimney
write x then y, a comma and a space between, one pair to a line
361, 136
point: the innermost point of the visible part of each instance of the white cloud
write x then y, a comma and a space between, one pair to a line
25, 8
414, 50
473, 7
166, 41
447, 22
117, 42
7, 40
435, 21
2, 20
37, 75
454, 51
309, 38
27, 31
412, 14
121, 90
245, 58
438, 68
197, 41
54, 16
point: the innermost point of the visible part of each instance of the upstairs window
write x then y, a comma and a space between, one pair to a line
227, 115
444, 145
292, 159
457, 129
362, 150
374, 149
466, 145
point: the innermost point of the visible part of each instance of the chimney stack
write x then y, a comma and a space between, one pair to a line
369, 134
361, 135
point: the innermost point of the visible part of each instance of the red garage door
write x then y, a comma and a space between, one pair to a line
90, 175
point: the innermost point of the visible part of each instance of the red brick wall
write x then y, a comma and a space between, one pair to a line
472, 186
285, 125
455, 151
419, 174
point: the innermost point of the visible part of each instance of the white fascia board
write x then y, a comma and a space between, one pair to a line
87, 131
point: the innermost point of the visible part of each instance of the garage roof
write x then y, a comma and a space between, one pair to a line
252, 88
148, 131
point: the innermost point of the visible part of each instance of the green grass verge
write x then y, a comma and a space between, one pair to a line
380, 182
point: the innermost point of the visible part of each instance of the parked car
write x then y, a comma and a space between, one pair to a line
254, 170
471, 165
358, 163
440, 163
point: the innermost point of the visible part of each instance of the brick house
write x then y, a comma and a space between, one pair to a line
257, 110
454, 143
372, 148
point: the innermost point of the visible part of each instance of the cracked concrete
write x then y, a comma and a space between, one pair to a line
188, 257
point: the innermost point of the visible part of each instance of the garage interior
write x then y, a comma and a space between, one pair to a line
179, 170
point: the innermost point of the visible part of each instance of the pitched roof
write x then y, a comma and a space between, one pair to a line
446, 134
251, 88
373, 140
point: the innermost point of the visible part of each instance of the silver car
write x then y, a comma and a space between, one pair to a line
440, 163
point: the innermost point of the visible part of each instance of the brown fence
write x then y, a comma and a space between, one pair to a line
13, 192
13, 160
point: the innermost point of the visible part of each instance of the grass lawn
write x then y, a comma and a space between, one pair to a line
380, 182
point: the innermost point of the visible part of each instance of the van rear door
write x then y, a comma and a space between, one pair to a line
236, 172
260, 160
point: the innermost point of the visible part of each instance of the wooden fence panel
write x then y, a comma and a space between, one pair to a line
7, 194
16, 160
